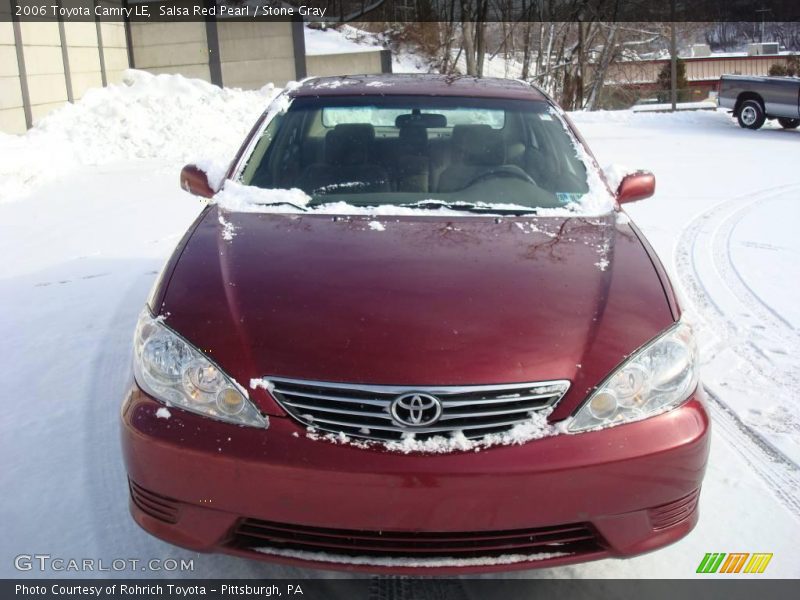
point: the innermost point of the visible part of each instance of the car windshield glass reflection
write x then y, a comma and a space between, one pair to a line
425, 152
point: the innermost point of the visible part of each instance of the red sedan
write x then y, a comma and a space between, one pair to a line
415, 333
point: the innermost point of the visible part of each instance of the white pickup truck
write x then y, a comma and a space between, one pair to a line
753, 100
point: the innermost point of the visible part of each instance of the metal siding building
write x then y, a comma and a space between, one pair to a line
45, 64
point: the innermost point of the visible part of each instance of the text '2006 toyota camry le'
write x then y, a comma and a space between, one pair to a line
414, 332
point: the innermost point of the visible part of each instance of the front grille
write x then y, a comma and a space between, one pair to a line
575, 538
158, 507
365, 411
673, 512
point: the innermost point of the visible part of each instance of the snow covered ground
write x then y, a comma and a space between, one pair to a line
346, 39
143, 118
90, 208
666, 107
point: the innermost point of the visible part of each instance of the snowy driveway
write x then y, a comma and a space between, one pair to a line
81, 252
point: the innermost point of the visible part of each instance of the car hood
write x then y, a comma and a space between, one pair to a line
416, 300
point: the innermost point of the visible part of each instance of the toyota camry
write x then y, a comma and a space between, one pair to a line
414, 331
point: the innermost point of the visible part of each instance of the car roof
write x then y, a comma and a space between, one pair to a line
418, 84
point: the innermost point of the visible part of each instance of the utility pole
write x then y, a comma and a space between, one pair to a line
763, 12
673, 60
579, 80
762, 27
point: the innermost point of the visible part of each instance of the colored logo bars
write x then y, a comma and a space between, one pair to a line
735, 562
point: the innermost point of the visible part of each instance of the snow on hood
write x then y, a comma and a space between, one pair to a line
235, 197
262, 271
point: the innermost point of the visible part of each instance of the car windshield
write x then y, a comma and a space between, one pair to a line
420, 151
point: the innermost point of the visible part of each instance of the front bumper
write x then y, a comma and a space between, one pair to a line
212, 486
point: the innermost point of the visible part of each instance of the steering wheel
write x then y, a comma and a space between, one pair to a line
504, 171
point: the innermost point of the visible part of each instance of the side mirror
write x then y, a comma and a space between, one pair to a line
636, 186
195, 181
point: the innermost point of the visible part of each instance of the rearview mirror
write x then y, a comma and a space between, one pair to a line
195, 181
427, 120
636, 186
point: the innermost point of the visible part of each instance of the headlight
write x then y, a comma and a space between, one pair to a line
656, 378
170, 369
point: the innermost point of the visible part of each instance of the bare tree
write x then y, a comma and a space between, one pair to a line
606, 56
473, 17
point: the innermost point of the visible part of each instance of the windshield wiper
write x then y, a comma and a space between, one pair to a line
471, 207
283, 203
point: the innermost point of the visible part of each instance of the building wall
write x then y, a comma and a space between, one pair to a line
115, 49
44, 65
703, 69
60, 62
351, 63
254, 54
12, 114
83, 57
171, 47
714, 68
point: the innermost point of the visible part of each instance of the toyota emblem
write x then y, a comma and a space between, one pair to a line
416, 409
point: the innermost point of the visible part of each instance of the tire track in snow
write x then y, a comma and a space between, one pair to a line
752, 328
779, 473
762, 326
718, 224
721, 249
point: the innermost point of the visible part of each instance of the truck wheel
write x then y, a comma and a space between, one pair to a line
751, 114
789, 123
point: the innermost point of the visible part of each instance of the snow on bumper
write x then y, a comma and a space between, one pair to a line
197, 483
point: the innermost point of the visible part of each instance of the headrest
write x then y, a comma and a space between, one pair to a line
349, 144
479, 145
414, 139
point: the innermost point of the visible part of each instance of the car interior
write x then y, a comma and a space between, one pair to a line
403, 154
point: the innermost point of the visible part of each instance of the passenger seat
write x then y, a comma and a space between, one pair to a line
347, 167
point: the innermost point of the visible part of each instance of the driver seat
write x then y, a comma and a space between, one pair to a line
475, 149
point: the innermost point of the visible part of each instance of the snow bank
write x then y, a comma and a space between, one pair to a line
165, 117
662, 121
345, 39
663, 107
342, 40
493, 66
